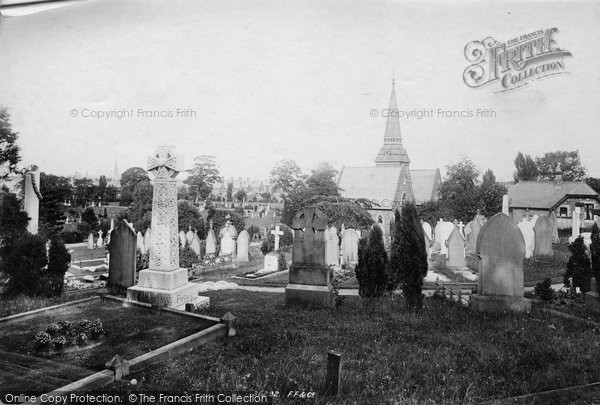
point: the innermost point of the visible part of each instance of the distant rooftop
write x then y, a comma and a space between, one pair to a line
547, 194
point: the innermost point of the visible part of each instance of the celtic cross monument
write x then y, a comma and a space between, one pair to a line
164, 283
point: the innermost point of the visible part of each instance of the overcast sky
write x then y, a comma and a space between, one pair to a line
294, 80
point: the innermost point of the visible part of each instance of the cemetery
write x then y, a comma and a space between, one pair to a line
352, 284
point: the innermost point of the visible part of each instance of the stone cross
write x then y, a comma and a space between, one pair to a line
277, 232
461, 226
164, 253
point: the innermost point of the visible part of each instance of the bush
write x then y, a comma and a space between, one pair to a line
58, 264
578, 272
544, 291
142, 260
595, 253
286, 239
371, 270
24, 265
187, 258
71, 236
64, 333
281, 262
408, 264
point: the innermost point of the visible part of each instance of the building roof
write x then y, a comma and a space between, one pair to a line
423, 184
377, 183
547, 194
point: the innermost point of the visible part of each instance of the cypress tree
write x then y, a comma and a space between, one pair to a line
595, 253
58, 264
371, 270
409, 256
578, 267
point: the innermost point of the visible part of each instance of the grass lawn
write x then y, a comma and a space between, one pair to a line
446, 353
81, 252
130, 332
16, 305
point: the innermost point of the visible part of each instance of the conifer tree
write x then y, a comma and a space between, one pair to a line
58, 264
408, 264
595, 253
578, 267
371, 270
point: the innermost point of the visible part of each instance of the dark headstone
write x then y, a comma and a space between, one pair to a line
501, 248
543, 237
309, 275
121, 266
333, 376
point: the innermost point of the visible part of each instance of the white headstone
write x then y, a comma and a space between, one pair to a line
100, 240
271, 264
182, 239
350, 238
195, 244
211, 241
332, 248
227, 245
243, 240
526, 228
575, 224
505, 209
140, 242
148, 241
277, 233
443, 230
427, 229
189, 235
90, 241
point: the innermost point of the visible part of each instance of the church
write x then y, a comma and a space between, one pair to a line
391, 181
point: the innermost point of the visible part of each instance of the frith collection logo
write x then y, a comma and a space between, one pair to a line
514, 63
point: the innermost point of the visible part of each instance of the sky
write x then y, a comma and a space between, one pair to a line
261, 81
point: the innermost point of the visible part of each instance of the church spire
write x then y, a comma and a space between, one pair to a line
116, 172
392, 153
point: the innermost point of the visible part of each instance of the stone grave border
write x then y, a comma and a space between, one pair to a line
220, 328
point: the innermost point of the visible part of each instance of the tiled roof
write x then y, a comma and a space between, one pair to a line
546, 194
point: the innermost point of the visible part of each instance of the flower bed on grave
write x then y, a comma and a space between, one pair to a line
211, 262
67, 336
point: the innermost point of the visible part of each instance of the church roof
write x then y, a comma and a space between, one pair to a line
424, 184
546, 194
377, 183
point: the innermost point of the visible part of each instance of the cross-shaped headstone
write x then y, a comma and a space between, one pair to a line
461, 227
163, 164
277, 232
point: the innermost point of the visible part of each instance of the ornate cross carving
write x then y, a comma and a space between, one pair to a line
163, 164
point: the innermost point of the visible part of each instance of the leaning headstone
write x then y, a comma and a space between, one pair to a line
182, 239
500, 283
31, 200
332, 247
243, 240
121, 263
543, 237
164, 282
456, 250
350, 238
90, 241
427, 229
526, 227
211, 241
309, 281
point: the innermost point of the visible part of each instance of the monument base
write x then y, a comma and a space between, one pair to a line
592, 302
499, 303
305, 295
166, 288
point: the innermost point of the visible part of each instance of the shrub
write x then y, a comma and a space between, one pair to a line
408, 264
578, 272
58, 335
544, 291
142, 260
187, 258
43, 340
24, 265
58, 264
281, 262
371, 271
71, 236
268, 244
595, 253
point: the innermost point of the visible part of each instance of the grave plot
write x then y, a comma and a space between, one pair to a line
130, 331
